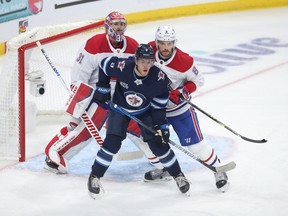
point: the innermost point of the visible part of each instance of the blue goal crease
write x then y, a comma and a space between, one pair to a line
129, 170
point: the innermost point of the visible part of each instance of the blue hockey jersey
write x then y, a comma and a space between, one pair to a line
137, 95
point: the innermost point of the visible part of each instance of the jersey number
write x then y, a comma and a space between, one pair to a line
80, 58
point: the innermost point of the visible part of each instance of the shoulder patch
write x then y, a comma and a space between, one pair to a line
161, 75
121, 65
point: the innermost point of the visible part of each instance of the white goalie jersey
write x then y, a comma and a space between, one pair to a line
85, 68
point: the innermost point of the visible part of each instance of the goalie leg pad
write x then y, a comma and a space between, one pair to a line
133, 128
70, 140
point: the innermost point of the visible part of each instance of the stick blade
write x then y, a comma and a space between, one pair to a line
227, 167
253, 140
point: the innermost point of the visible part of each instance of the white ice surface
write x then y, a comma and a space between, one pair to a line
251, 98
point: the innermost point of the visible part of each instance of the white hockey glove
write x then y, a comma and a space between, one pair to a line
79, 99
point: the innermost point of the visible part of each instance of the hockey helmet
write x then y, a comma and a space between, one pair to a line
165, 33
112, 18
144, 51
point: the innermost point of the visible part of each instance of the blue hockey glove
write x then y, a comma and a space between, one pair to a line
102, 93
162, 133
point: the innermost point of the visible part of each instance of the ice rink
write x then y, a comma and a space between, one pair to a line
244, 56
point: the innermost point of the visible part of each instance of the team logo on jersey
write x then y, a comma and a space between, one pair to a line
124, 85
161, 75
121, 65
138, 82
134, 99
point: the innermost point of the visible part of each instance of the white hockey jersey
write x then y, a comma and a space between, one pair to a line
180, 68
96, 48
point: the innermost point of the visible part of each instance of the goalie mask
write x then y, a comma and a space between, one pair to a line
165, 33
115, 25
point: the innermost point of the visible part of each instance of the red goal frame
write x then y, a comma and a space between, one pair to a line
21, 81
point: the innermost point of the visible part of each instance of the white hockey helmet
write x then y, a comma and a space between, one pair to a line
112, 18
165, 33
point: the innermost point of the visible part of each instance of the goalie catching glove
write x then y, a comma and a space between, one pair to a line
102, 93
81, 94
177, 95
162, 133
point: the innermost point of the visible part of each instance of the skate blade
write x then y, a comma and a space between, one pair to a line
97, 196
225, 187
55, 171
94, 196
187, 194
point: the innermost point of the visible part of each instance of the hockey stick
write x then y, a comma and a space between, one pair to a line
225, 126
85, 117
224, 168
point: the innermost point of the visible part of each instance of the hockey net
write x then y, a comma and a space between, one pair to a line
28, 87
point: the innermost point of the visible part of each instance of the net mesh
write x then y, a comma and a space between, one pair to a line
62, 53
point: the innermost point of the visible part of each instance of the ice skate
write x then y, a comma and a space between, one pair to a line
53, 167
221, 179
157, 175
94, 186
182, 183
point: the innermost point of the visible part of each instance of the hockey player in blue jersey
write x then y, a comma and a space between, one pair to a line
142, 90
184, 79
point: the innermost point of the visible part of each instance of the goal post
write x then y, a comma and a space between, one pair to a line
27, 80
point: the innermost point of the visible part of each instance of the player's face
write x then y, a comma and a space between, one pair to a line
143, 66
119, 27
165, 48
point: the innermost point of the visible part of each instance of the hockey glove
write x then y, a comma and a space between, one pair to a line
102, 93
162, 133
176, 96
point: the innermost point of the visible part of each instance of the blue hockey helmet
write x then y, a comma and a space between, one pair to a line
144, 51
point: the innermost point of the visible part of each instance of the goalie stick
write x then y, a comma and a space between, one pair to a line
224, 168
85, 117
225, 126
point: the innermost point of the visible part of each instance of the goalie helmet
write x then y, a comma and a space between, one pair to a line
115, 32
165, 33
144, 51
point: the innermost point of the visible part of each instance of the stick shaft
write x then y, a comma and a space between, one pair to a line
85, 117
225, 126
223, 168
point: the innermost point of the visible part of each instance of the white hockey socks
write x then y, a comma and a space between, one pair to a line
205, 153
143, 146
